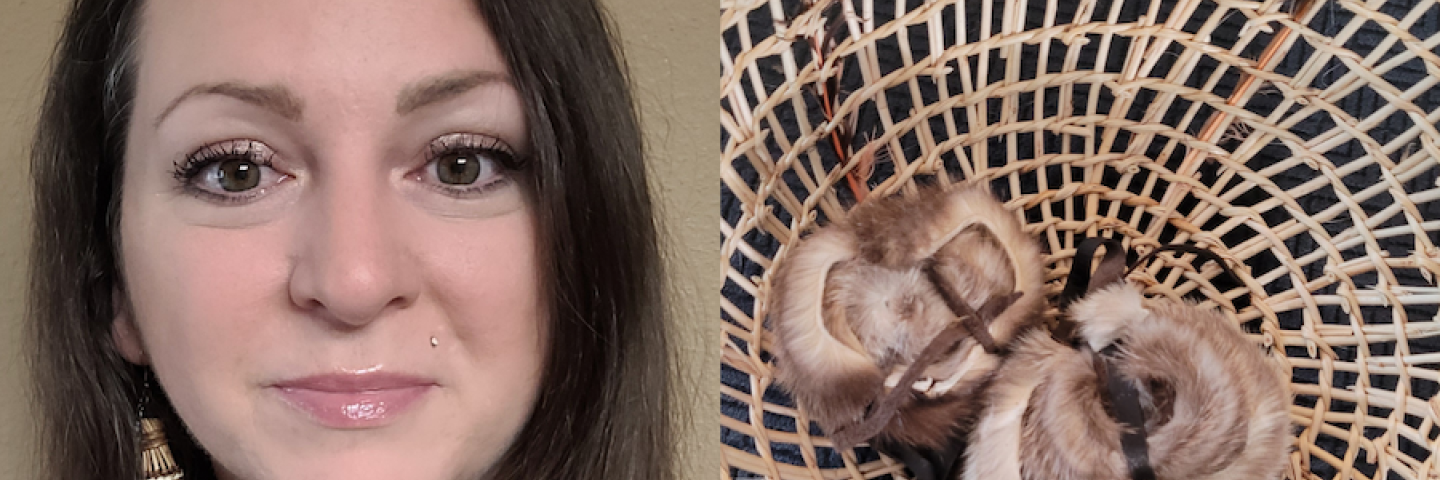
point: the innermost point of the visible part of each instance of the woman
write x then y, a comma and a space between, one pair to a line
383, 240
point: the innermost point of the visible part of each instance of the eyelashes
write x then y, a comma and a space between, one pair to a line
457, 165
228, 172
463, 165
465, 143
251, 150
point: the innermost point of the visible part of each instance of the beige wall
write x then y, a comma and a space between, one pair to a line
27, 33
671, 52
671, 45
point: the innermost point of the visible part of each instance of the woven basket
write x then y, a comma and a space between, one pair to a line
1295, 139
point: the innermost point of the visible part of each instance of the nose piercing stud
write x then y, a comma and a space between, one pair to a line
434, 342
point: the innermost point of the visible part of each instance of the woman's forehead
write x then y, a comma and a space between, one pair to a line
350, 53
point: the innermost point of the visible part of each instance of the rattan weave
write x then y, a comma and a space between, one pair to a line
1297, 140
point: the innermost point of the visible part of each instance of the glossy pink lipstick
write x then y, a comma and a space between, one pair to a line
354, 400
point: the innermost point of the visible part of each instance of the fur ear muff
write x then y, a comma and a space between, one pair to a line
125, 333
1214, 410
867, 294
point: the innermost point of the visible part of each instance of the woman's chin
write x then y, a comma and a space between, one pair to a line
418, 445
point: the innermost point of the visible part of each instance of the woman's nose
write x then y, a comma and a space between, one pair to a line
352, 264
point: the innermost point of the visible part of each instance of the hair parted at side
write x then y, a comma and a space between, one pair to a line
602, 410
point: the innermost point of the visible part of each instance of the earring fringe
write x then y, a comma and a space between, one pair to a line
155, 457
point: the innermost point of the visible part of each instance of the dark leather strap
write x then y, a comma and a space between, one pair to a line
1124, 407
1124, 394
976, 326
966, 324
1123, 402
1111, 269
1081, 281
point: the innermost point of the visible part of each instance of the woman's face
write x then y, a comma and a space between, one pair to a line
330, 258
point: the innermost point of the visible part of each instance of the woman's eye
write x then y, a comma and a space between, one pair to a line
233, 178
464, 165
228, 172
462, 168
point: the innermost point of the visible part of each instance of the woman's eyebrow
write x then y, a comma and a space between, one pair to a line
443, 87
275, 98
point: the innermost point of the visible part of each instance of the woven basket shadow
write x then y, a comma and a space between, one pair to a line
1295, 139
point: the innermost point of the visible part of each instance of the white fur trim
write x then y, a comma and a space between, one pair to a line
1104, 314
994, 450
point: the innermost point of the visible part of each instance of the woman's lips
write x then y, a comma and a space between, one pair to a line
350, 401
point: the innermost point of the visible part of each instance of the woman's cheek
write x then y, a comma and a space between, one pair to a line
486, 274
206, 299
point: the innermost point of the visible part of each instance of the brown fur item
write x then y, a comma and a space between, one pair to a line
852, 307
1214, 408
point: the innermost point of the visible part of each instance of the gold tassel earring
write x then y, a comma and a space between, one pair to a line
156, 462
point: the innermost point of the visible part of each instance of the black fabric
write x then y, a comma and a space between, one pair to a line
926, 464
1205, 255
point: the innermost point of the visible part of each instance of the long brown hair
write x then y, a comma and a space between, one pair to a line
603, 408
